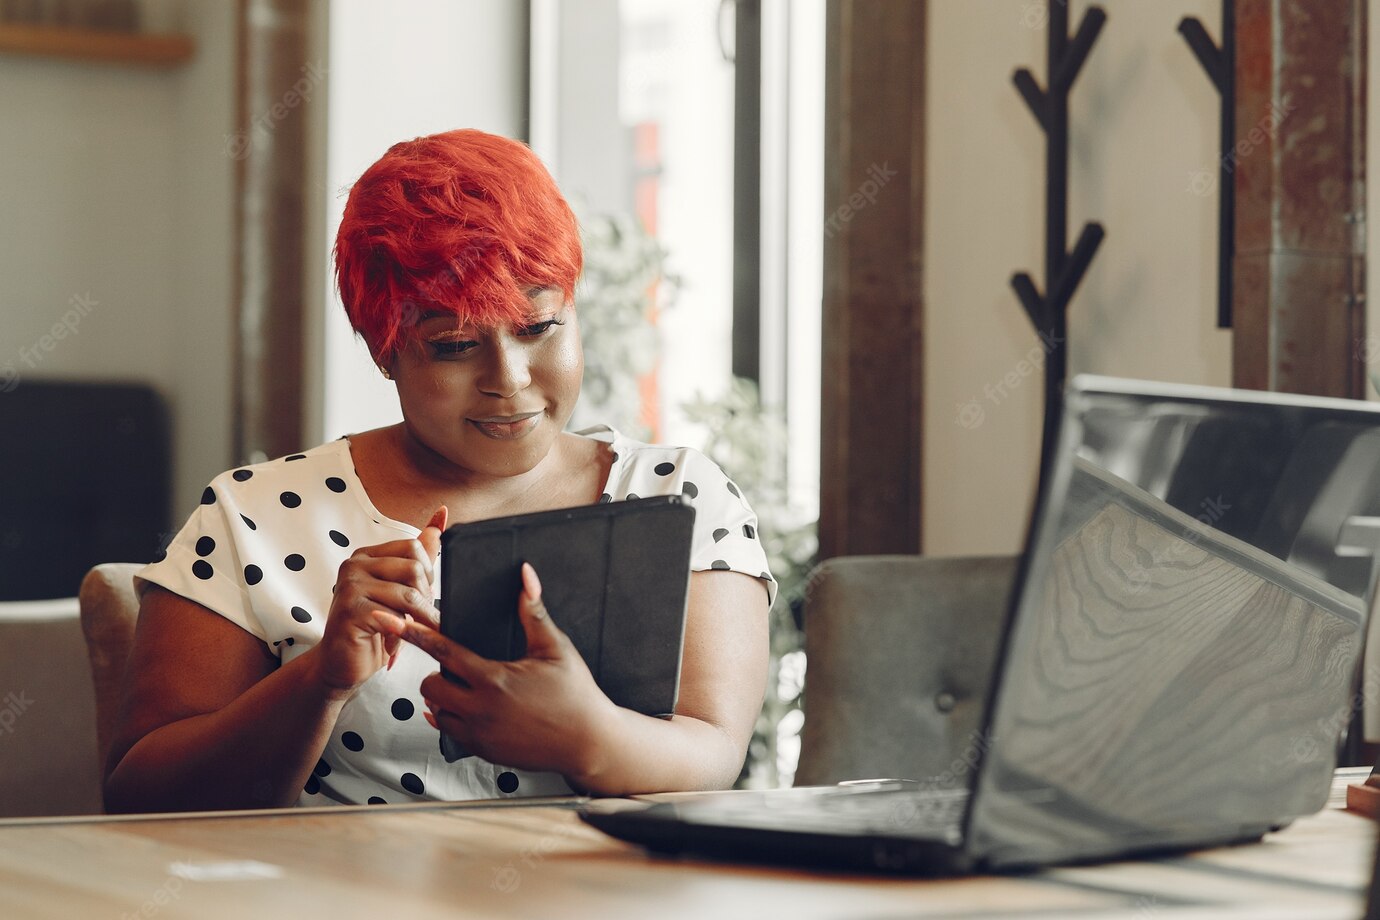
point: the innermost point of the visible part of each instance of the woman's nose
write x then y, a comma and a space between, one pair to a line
506, 372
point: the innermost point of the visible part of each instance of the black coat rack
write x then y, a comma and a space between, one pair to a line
1220, 64
1064, 270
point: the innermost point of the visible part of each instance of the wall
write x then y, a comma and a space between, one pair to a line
398, 71
1143, 144
115, 200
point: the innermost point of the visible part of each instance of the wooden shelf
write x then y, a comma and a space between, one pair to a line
134, 48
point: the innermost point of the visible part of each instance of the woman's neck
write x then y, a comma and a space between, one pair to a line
406, 480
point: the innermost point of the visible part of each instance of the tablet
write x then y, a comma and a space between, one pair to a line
615, 577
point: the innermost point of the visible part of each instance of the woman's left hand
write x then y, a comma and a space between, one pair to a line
541, 712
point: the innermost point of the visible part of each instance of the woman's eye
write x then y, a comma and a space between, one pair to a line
539, 328
451, 347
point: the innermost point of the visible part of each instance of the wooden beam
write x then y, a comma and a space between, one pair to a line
1298, 305
872, 323
269, 148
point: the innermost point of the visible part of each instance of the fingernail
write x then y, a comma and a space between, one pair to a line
438, 518
391, 659
531, 582
431, 720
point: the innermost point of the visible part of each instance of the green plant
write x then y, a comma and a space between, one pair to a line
748, 441
624, 269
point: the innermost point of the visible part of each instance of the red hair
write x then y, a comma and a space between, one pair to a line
462, 222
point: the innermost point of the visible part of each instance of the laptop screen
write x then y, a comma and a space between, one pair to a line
1181, 658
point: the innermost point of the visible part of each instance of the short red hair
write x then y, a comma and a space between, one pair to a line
462, 222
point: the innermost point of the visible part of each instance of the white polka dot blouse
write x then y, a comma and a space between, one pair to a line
263, 549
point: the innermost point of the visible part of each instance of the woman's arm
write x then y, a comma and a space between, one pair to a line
544, 711
723, 680
210, 721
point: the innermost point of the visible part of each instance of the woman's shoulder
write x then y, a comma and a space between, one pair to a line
326, 464
642, 469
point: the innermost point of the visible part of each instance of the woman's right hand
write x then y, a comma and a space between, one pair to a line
390, 580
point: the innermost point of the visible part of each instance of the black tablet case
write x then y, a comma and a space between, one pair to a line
615, 578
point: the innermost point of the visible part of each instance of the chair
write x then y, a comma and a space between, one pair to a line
48, 759
899, 653
109, 611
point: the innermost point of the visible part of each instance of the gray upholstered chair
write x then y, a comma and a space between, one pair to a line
899, 653
48, 759
109, 611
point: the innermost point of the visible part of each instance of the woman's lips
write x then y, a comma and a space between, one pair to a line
507, 427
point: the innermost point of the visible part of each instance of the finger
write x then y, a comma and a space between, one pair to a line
441, 694
400, 599
399, 549
544, 638
453, 656
430, 537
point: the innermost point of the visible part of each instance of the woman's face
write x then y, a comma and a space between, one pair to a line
492, 401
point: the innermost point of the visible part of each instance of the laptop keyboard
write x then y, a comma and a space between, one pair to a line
931, 814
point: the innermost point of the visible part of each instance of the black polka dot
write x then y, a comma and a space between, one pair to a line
413, 783
719, 534
248, 523
295, 562
205, 546
300, 615
290, 499
322, 768
403, 710
375, 800
290, 640
335, 484
690, 489
665, 469
253, 574
719, 564
507, 781
242, 475
352, 741
734, 489
339, 539
632, 496
202, 569
297, 457
605, 498
749, 531
208, 497
615, 456
313, 785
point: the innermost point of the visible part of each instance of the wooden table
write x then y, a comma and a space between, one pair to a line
423, 861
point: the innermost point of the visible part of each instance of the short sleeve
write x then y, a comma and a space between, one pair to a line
726, 536
202, 563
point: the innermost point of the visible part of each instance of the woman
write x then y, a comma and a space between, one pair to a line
286, 650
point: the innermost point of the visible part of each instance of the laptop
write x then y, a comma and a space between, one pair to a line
1176, 667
